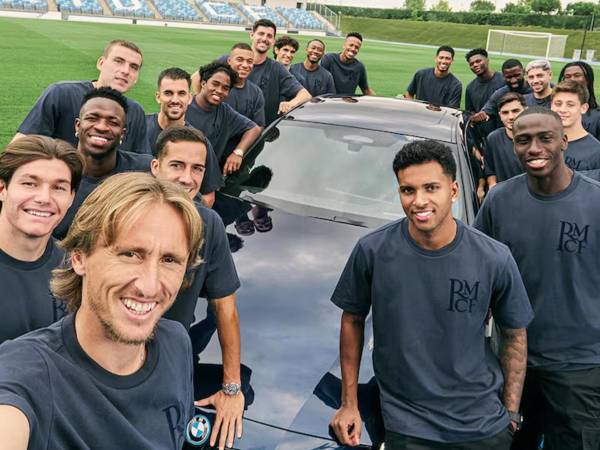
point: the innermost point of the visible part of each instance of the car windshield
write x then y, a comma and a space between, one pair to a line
334, 172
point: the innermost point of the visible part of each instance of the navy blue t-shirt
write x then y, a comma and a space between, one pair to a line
249, 101
55, 111
317, 82
591, 122
479, 91
445, 91
439, 379
218, 125
73, 403
126, 162
347, 76
491, 106
500, 158
532, 100
583, 153
556, 242
216, 277
213, 177
26, 299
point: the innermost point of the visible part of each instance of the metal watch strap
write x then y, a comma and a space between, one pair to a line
516, 417
232, 389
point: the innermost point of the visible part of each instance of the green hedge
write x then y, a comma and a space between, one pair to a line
476, 18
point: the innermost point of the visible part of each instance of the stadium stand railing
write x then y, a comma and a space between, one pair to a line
300, 18
80, 6
176, 10
217, 12
130, 8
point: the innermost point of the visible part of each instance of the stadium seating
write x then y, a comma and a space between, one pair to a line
28, 5
221, 12
300, 18
176, 10
80, 6
263, 12
136, 8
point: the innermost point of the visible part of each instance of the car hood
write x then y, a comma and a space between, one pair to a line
290, 332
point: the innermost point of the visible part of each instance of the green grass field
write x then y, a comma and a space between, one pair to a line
36, 53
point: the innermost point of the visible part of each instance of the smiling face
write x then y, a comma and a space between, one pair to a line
119, 69
173, 97
216, 88
285, 55
351, 48
570, 109
539, 143
576, 74
128, 285
37, 197
426, 194
509, 112
513, 77
443, 61
182, 162
100, 127
478, 64
315, 51
241, 61
262, 39
539, 80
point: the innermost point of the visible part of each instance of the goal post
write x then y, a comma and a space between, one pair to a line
530, 43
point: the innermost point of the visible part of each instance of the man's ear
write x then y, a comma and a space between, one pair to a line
3, 187
99, 63
154, 166
78, 262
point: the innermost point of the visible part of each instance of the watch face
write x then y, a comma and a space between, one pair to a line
231, 389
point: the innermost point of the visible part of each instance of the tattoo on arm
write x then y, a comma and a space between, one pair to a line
513, 359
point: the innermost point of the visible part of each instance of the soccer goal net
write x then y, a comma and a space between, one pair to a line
529, 43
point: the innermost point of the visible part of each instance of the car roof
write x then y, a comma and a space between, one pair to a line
394, 115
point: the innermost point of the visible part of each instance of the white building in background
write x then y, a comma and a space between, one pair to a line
456, 5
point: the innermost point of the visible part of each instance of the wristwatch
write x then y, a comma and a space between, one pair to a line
232, 389
239, 152
517, 418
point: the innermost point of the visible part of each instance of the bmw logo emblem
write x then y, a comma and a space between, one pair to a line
198, 430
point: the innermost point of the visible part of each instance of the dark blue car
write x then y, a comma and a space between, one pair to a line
324, 174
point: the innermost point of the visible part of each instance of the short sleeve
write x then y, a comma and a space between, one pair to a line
412, 86
288, 85
238, 123
135, 134
363, 83
25, 384
326, 62
491, 106
511, 307
483, 220
490, 167
455, 95
353, 291
221, 276
213, 178
469, 106
43, 115
330, 85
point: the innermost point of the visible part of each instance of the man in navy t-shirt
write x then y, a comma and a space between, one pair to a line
348, 72
437, 85
501, 163
539, 77
429, 282
100, 129
548, 217
312, 75
570, 102
173, 95
54, 113
38, 179
219, 121
180, 157
112, 374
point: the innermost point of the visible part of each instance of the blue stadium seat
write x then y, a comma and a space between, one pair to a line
301, 18
176, 10
82, 7
135, 8
221, 12
263, 12
28, 5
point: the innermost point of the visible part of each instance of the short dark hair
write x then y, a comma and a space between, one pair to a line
316, 40
511, 97
106, 92
510, 63
30, 148
572, 87
445, 48
264, 23
178, 134
174, 73
476, 51
538, 110
286, 40
355, 34
241, 46
589, 78
423, 151
210, 69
